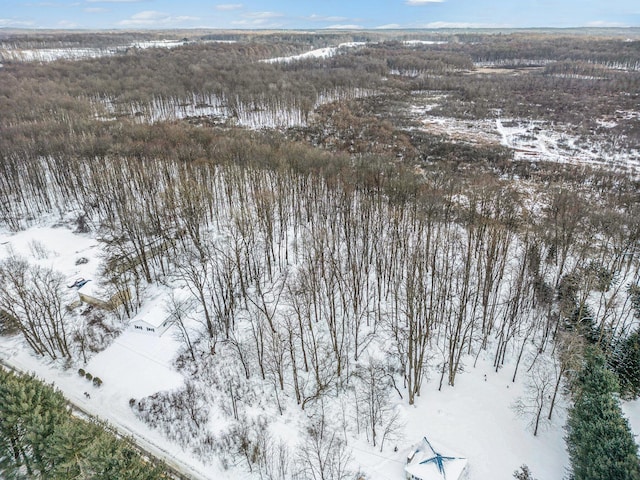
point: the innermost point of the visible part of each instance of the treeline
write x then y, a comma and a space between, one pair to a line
131, 84
546, 47
221, 81
40, 438
62, 39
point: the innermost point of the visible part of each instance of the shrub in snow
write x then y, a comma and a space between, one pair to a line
82, 224
523, 473
82, 261
88, 376
81, 372
323, 454
180, 414
132, 402
97, 382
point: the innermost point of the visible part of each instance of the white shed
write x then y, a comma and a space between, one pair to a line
152, 319
425, 463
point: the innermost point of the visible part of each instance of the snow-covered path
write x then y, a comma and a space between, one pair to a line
124, 370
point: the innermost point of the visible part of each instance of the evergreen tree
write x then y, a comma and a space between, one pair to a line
39, 438
69, 447
29, 414
625, 361
599, 439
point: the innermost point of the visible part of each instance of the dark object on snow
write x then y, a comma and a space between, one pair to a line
82, 261
78, 283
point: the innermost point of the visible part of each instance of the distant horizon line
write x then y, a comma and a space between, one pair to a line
301, 29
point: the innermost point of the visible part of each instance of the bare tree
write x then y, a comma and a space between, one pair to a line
372, 390
35, 297
539, 386
323, 455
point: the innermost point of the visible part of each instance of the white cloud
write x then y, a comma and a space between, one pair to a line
52, 5
9, 22
605, 24
263, 15
257, 23
422, 2
151, 18
461, 25
229, 6
345, 27
324, 18
114, 1
389, 26
67, 24
259, 20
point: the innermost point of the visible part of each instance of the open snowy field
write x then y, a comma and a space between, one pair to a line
325, 52
14, 54
532, 140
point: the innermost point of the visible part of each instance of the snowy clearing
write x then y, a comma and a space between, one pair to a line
475, 419
252, 115
531, 139
413, 43
537, 140
325, 52
12, 54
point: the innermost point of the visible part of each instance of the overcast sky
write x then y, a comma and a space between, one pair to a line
317, 14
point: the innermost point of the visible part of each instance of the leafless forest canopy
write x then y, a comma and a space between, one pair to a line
333, 246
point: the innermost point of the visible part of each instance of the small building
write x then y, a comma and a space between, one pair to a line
153, 320
425, 463
92, 294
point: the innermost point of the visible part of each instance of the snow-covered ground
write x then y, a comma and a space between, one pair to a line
413, 43
531, 139
325, 52
134, 365
328, 52
632, 411
257, 115
475, 419
9, 53
540, 141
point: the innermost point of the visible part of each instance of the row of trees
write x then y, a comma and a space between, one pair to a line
39, 438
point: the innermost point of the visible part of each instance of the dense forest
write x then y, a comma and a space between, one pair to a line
334, 248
